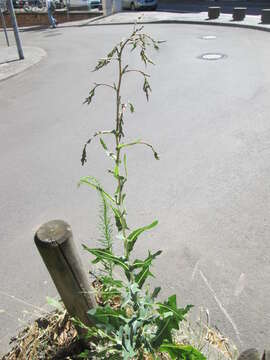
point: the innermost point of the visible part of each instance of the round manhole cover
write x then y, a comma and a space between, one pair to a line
212, 56
208, 37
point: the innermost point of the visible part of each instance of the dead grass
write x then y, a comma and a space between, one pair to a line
54, 337
50, 337
207, 339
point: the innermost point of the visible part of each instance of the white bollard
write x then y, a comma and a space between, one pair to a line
107, 7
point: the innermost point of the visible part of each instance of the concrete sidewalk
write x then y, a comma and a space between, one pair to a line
10, 64
250, 21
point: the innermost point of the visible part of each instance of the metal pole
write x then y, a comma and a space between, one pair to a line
15, 29
67, 8
4, 25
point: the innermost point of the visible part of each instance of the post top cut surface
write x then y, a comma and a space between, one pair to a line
55, 231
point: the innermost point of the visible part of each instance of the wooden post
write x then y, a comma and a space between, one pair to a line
55, 244
249, 354
266, 355
239, 13
213, 12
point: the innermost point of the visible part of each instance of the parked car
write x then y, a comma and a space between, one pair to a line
84, 4
95, 4
18, 3
139, 4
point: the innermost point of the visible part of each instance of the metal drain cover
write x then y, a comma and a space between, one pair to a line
208, 37
212, 56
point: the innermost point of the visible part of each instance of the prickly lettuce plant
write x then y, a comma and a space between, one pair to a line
136, 325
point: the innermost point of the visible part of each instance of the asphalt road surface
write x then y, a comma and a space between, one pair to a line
210, 190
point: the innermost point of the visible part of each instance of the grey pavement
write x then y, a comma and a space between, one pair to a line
10, 65
210, 190
225, 19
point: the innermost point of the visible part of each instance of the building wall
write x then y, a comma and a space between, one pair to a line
33, 19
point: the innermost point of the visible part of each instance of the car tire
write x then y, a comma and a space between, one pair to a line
132, 6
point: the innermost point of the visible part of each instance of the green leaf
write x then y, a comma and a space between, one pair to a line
98, 133
107, 316
179, 352
111, 53
169, 319
142, 276
125, 165
155, 292
106, 255
88, 100
103, 144
156, 155
101, 63
91, 181
55, 303
108, 281
132, 238
146, 88
139, 142
131, 107
121, 146
147, 262
170, 307
120, 221
116, 171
